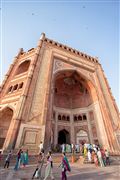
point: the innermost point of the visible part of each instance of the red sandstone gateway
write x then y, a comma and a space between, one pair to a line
57, 95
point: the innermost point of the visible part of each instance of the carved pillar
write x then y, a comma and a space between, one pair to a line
72, 131
89, 128
56, 129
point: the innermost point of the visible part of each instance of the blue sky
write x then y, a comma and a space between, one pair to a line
89, 26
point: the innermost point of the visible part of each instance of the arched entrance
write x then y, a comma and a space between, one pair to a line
82, 137
5, 120
63, 137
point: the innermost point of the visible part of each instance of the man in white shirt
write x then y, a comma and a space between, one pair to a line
41, 146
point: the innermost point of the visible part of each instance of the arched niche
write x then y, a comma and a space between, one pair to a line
82, 137
5, 119
23, 67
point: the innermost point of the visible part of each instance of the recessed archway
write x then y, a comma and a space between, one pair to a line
63, 137
5, 120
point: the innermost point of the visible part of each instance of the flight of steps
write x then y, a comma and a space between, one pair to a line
33, 159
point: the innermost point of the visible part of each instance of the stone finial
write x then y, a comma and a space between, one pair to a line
42, 37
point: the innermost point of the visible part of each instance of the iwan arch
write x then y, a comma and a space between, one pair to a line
56, 94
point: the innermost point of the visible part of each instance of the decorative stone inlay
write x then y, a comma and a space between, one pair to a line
57, 65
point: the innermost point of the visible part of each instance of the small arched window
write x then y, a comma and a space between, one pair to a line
68, 118
80, 118
10, 89
75, 118
84, 117
59, 117
23, 67
15, 87
20, 85
63, 117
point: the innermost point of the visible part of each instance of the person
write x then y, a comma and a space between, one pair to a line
85, 151
89, 156
18, 159
0, 155
107, 157
65, 166
25, 158
63, 147
7, 160
37, 172
103, 156
49, 167
100, 158
41, 146
95, 160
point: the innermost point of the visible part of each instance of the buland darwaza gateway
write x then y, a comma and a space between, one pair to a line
56, 94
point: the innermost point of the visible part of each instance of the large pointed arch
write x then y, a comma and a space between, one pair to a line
6, 116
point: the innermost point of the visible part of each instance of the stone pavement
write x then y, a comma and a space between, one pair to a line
79, 172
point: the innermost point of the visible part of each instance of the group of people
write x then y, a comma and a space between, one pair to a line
96, 155
69, 148
65, 166
21, 159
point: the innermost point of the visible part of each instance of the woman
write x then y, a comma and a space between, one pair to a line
37, 172
65, 166
25, 158
49, 167
95, 160
17, 165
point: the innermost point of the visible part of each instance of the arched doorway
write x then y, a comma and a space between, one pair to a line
5, 120
63, 137
82, 137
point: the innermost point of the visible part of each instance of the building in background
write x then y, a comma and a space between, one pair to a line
56, 94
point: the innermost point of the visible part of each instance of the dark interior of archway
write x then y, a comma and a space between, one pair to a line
71, 91
63, 137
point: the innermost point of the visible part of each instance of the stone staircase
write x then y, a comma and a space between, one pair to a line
33, 159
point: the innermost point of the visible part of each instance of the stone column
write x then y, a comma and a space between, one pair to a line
89, 128
72, 129
56, 129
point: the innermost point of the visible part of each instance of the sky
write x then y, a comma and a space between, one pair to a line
91, 26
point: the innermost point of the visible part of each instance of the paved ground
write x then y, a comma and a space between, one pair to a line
79, 172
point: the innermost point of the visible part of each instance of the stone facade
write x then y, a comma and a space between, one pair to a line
56, 94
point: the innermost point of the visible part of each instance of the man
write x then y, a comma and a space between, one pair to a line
41, 146
107, 157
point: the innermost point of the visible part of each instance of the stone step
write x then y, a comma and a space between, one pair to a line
33, 159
